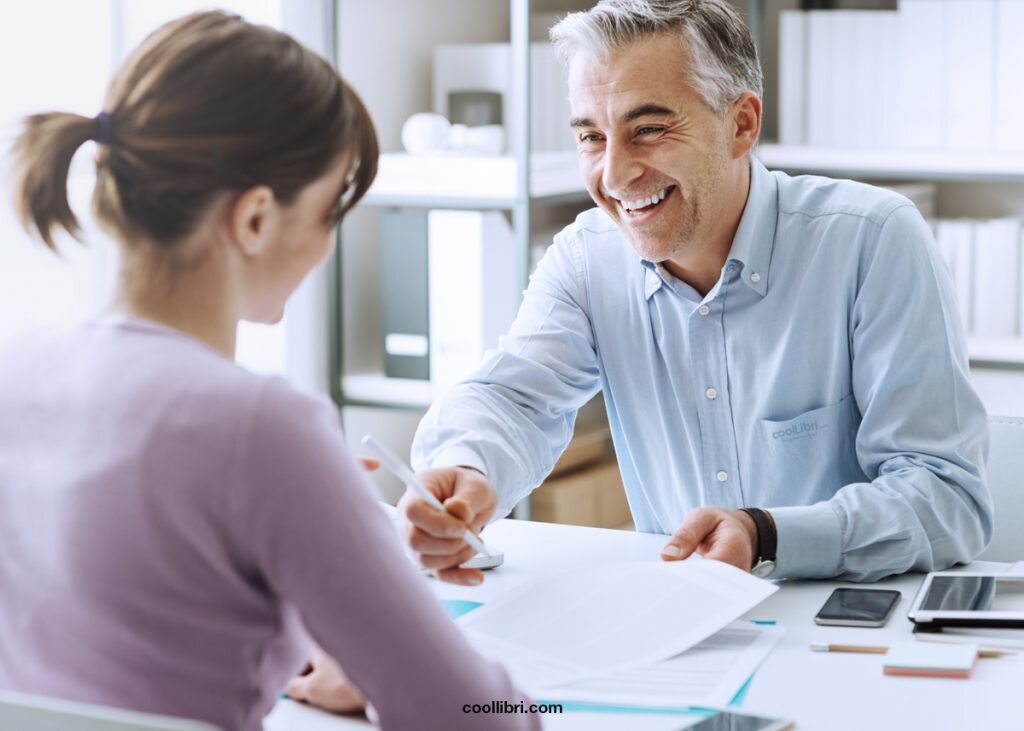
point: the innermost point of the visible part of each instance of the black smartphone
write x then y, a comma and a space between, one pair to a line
728, 721
849, 607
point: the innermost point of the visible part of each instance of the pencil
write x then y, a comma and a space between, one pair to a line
881, 650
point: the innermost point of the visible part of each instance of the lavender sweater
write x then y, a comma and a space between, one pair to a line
170, 523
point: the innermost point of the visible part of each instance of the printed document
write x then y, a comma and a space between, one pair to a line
599, 620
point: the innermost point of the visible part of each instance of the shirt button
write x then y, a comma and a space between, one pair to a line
711, 394
755, 277
703, 310
722, 475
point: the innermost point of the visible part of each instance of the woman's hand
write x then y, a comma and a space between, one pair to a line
326, 686
369, 463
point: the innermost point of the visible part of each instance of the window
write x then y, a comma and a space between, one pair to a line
60, 55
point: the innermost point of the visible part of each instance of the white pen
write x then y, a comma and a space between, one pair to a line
403, 472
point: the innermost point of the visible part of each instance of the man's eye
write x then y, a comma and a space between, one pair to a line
589, 137
648, 130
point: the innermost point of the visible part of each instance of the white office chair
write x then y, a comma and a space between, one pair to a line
1006, 482
36, 713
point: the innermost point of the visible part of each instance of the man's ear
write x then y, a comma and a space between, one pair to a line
745, 123
252, 219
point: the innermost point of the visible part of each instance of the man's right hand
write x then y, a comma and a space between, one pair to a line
469, 499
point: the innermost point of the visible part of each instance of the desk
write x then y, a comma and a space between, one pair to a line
820, 691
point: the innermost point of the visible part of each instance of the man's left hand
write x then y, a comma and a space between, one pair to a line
723, 535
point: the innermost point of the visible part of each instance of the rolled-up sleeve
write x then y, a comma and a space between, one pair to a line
515, 415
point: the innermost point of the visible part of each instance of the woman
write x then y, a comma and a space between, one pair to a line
171, 524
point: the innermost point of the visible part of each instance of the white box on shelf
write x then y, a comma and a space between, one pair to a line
474, 289
488, 67
1009, 92
477, 177
922, 73
970, 98
1020, 289
822, 88
792, 76
996, 269
856, 79
956, 242
847, 54
884, 79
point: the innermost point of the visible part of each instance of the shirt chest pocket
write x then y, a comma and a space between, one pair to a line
812, 455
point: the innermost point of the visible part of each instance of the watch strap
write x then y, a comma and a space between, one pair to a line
767, 539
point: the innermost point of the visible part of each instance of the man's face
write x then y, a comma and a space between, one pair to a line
652, 154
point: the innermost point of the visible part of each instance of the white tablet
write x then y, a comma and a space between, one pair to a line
969, 599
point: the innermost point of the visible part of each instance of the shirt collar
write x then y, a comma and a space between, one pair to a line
755, 236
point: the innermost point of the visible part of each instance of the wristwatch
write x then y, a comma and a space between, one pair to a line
767, 542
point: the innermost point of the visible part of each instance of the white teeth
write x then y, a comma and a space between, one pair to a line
644, 202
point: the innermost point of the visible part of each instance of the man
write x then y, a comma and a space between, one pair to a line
783, 368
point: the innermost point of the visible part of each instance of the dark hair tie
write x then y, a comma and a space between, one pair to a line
104, 129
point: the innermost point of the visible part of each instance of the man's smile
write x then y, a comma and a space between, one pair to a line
639, 207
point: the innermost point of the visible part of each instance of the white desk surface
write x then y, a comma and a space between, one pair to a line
820, 691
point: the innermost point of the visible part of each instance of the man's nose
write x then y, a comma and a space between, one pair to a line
621, 168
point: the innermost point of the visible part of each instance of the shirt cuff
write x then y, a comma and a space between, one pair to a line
455, 457
810, 542
466, 457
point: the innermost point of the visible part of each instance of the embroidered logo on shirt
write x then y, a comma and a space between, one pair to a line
798, 431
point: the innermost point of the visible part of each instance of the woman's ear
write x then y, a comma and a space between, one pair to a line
253, 219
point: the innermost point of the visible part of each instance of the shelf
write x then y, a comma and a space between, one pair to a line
894, 163
376, 389
996, 351
472, 182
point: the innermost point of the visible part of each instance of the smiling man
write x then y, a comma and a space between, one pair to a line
783, 368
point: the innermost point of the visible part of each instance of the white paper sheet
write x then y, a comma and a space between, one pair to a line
618, 616
709, 674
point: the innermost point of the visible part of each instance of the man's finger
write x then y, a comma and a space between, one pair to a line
459, 509
432, 521
690, 534
423, 542
463, 577
451, 560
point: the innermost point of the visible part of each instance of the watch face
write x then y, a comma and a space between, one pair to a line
763, 569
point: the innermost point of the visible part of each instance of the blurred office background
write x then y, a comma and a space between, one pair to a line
919, 95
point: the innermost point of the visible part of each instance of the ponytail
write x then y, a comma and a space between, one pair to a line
207, 104
42, 159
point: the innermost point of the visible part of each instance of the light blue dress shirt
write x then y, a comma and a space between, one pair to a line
824, 377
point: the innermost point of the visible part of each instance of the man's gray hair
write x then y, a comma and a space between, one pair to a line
724, 56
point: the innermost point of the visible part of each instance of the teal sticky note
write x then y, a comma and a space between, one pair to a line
457, 607
608, 708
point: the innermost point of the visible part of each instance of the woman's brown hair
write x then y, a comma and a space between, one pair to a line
207, 104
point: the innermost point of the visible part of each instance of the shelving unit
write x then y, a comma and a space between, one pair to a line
516, 183
970, 184
894, 164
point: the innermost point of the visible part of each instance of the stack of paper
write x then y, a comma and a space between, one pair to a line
595, 622
708, 674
